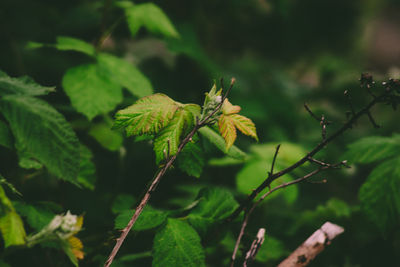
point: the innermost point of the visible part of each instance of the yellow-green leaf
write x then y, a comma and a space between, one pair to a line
227, 129
147, 116
245, 125
228, 108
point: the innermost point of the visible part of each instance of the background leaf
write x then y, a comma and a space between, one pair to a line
42, 132
148, 219
191, 159
177, 244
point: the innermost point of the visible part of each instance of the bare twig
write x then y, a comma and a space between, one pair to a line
160, 174
311, 113
371, 119
255, 246
314, 245
273, 160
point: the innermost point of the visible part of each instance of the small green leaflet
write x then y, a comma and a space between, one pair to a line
147, 15
66, 43
90, 90
177, 244
147, 116
41, 132
11, 225
148, 219
215, 205
21, 86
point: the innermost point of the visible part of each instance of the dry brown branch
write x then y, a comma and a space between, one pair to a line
255, 246
314, 245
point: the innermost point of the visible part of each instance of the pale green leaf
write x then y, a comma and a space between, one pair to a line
228, 108
87, 170
178, 245
65, 43
122, 203
169, 138
148, 219
245, 125
255, 172
380, 195
373, 148
215, 204
90, 90
43, 133
126, 75
21, 86
151, 17
147, 116
107, 138
219, 142
5, 135
191, 160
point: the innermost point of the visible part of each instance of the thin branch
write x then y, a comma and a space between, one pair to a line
371, 119
274, 159
311, 113
159, 175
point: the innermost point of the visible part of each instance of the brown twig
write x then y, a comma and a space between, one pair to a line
159, 175
255, 246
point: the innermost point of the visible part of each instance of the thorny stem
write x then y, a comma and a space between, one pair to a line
160, 174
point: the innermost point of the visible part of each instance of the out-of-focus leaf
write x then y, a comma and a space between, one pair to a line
37, 216
380, 195
147, 116
11, 225
90, 90
370, 149
21, 86
126, 75
107, 138
215, 204
191, 159
43, 133
65, 43
122, 203
177, 244
271, 249
219, 142
87, 170
150, 16
148, 219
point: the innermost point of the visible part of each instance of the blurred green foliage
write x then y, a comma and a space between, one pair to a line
90, 58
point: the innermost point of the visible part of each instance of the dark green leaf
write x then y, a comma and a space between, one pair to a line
380, 195
37, 216
5, 135
43, 133
21, 86
122, 203
90, 90
87, 170
191, 160
271, 249
149, 219
178, 245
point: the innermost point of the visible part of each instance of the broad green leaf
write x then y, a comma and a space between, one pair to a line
147, 116
191, 160
215, 204
11, 225
37, 216
150, 16
87, 170
227, 130
370, 149
5, 135
65, 43
90, 90
219, 142
149, 219
107, 138
255, 172
122, 203
21, 86
43, 133
380, 195
169, 138
126, 75
178, 245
